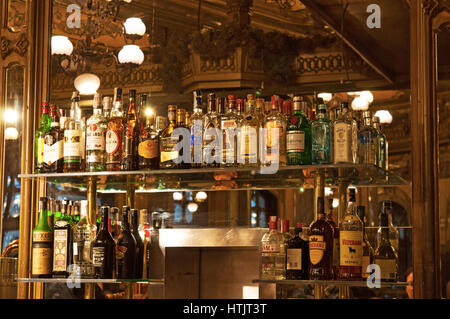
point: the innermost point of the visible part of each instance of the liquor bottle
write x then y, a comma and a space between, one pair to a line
73, 139
139, 256
367, 141
142, 111
385, 255
336, 252
259, 110
320, 136
62, 118
351, 241
125, 249
240, 108
114, 134
344, 137
107, 106
54, 145
393, 232
220, 102
44, 126
42, 244
368, 252
229, 123
382, 144
167, 143
62, 243
148, 144
144, 224
196, 127
84, 233
129, 148
95, 138
285, 232
211, 123
320, 246
273, 258
297, 256
115, 222
286, 111
161, 124
298, 135
181, 124
103, 249
275, 149
248, 142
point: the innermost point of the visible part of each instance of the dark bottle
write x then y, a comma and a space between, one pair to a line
181, 124
54, 145
148, 144
142, 112
129, 149
62, 242
115, 134
115, 222
103, 249
320, 246
42, 244
297, 257
139, 261
125, 249
336, 252
39, 138
368, 252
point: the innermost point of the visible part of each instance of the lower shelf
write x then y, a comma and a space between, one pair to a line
90, 281
329, 283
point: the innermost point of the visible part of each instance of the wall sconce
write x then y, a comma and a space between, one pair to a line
177, 196
87, 83
201, 197
61, 45
192, 207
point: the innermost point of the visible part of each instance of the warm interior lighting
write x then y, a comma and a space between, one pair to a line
134, 26
177, 196
335, 202
201, 196
385, 116
192, 207
11, 133
148, 112
10, 117
61, 45
87, 83
367, 95
328, 191
360, 104
325, 96
131, 53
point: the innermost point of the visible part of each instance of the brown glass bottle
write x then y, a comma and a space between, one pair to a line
148, 145
53, 145
330, 220
181, 124
129, 148
320, 246
166, 143
114, 134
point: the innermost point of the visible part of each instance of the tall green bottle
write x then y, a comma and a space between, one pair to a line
298, 135
44, 126
42, 244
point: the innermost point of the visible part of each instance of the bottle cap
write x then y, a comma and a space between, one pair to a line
299, 225
251, 96
97, 101
231, 97
285, 226
273, 220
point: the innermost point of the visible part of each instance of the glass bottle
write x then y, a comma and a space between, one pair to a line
385, 255
62, 248
129, 149
62, 118
142, 111
259, 110
393, 232
336, 253
181, 124
103, 248
115, 133
115, 222
95, 138
229, 124
107, 106
167, 143
73, 143
298, 135
139, 262
273, 258
275, 151
161, 123
351, 241
211, 121
148, 144
125, 249
42, 244
382, 144
196, 127
220, 102
248, 142
367, 141
144, 224
320, 136
44, 126
320, 246
54, 145
344, 137
368, 252
240, 108
297, 256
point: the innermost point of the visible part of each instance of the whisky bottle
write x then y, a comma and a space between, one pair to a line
148, 144
248, 143
167, 143
344, 137
336, 252
320, 136
73, 138
129, 149
275, 151
44, 126
42, 244
229, 123
125, 249
103, 249
298, 135
96, 138
114, 134
196, 127
367, 141
54, 145
368, 252
382, 144
211, 122
62, 243
139, 256
297, 256
273, 258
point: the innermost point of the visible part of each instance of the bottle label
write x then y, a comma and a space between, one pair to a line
196, 137
95, 138
120, 253
148, 149
167, 146
365, 263
112, 142
42, 237
388, 268
294, 259
342, 143
295, 141
42, 257
60, 250
98, 256
273, 144
271, 248
40, 150
53, 153
249, 144
350, 247
317, 247
72, 143
229, 140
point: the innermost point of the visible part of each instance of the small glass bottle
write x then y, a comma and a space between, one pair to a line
382, 144
211, 121
73, 139
273, 258
148, 144
367, 141
167, 143
196, 127
96, 138
297, 256
54, 145
115, 133
320, 136
298, 135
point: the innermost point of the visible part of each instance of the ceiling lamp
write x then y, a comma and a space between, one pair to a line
326, 97
367, 95
134, 26
131, 53
61, 45
385, 116
360, 104
177, 196
201, 197
87, 83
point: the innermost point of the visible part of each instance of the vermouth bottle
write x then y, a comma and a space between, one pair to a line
73, 138
273, 258
114, 134
275, 148
103, 249
62, 243
320, 136
129, 149
42, 244
248, 144
125, 249
196, 127
54, 145
148, 144
139, 263
211, 122
298, 135
96, 138
229, 123
167, 143
44, 126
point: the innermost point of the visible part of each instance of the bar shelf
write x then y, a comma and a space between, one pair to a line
90, 281
328, 283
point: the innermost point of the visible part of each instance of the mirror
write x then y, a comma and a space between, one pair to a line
16, 19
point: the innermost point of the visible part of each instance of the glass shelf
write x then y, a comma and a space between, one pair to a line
214, 179
90, 281
329, 283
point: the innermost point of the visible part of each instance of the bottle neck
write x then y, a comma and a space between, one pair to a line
43, 215
134, 222
75, 111
97, 111
105, 221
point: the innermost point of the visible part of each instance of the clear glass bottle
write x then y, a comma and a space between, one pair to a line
393, 232
196, 127
148, 144
167, 143
275, 120
382, 144
368, 252
54, 145
115, 134
367, 141
273, 257
229, 124
344, 137
211, 121
320, 136
298, 135
73, 138
96, 138
248, 143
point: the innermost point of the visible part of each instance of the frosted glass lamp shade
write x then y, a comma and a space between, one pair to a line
61, 45
131, 53
325, 96
87, 83
385, 116
367, 95
360, 104
134, 26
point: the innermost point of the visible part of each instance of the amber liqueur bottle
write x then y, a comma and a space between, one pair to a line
103, 248
167, 143
114, 134
54, 145
336, 253
321, 246
129, 149
125, 249
181, 124
148, 144
42, 244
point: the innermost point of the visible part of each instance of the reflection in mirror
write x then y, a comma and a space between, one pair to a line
16, 15
12, 145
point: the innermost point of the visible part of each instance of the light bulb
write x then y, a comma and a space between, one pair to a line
61, 45
201, 196
131, 53
10, 116
367, 95
192, 207
87, 83
385, 116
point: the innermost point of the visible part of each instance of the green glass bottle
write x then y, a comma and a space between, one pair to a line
42, 244
44, 126
298, 135
320, 136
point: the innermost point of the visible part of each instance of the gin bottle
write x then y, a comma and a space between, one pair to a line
248, 143
196, 127
382, 144
96, 138
367, 141
229, 124
344, 137
320, 135
273, 257
298, 135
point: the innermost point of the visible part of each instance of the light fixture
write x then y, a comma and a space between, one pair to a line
367, 95
192, 207
10, 116
131, 53
177, 196
61, 45
87, 83
335, 202
328, 191
11, 133
385, 116
326, 97
148, 112
360, 104
134, 26
201, 197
